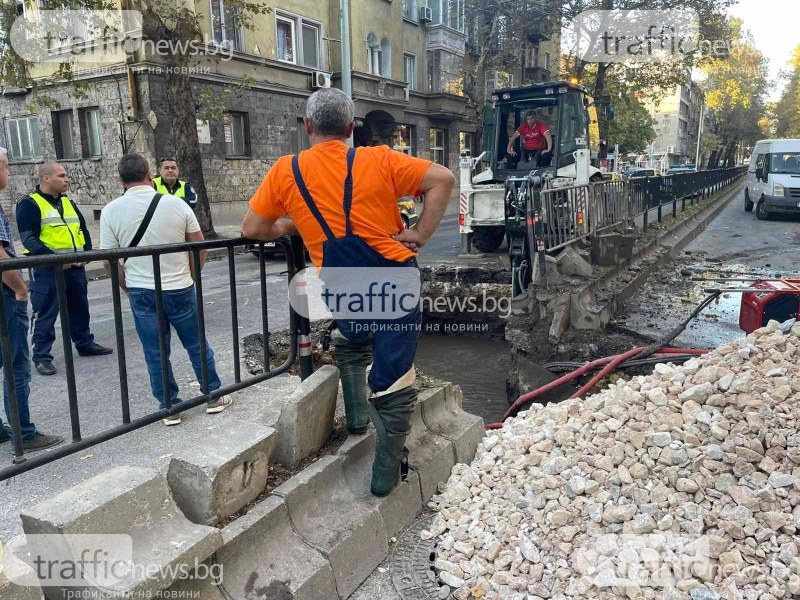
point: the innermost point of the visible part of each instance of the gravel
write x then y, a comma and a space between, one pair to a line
681, 484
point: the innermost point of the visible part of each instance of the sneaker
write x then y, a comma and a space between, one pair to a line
172, 420
45, 368
219, 405
41, 441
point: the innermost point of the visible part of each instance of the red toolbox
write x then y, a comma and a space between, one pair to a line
779, 301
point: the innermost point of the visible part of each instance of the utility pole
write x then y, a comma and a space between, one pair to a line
700, 133
344, 34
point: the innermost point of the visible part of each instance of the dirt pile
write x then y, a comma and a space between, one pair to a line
681, 484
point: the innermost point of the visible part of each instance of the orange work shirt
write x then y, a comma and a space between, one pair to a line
380, 177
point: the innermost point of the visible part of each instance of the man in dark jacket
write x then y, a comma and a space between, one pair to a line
50, 223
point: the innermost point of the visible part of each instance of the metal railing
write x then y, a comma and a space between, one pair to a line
574, 213
299, 328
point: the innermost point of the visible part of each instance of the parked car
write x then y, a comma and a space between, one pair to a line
773, 178
408, 213
611, 176
636, 172
675, 169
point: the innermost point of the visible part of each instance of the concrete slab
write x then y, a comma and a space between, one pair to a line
125, 501
18, 580
326, 514
400, 508
215, 480
306, 417
571, 263
553, 276
430, 455
262, 557
443, 414
561, 316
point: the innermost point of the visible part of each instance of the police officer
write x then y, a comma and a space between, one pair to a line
49, 223
167, 182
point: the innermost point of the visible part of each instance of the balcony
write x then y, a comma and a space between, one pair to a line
536, 74
538, 33
441, 37
445, 106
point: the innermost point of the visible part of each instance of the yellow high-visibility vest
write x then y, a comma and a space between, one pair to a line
162, 189
60, 234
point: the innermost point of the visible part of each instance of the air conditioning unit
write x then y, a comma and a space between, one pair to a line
406, 94
425, 14
320, 80
670, 149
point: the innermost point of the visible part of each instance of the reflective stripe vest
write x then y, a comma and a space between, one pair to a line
162, 189
59, 234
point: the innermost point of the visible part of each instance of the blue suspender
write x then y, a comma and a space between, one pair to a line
312, 206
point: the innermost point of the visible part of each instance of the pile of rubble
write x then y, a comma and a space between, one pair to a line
681, 484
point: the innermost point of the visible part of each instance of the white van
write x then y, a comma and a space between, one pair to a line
773, 178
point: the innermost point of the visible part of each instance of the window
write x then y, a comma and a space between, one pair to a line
237, 135
62, 134
386, 58
304, 51
91, 141
410, 70
226, 27
23, 138
546, 61
448, 12
445, 73
438, 153
410, 10
465, 142
402, 140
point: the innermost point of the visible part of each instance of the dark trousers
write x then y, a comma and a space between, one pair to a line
45, 309
16, 317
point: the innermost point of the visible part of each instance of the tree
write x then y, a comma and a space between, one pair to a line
736, 86
632, 127
653, 79
786, 111
171, 27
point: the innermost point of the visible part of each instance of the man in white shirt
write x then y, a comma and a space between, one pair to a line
171, 222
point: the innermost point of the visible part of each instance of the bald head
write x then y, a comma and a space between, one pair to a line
53, 179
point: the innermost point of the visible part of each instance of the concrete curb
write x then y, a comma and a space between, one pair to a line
216, 480
590, 311
126, 501
317, 536
354, 540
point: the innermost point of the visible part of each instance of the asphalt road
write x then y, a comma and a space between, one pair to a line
736, 245
99, 390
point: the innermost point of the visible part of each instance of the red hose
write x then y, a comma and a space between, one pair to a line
610, 365
609, 368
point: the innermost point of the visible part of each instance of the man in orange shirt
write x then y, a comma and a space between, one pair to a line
343, 203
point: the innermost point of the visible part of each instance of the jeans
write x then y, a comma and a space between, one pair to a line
180, 311
16, 317
44, 300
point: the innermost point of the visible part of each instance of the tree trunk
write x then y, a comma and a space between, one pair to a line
181, 101
602, 122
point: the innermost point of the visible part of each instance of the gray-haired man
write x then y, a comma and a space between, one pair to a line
15, 300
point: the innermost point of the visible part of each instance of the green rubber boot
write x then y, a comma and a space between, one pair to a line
353, 358
392, 417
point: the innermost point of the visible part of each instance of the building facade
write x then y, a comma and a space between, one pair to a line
407, 61
676, 121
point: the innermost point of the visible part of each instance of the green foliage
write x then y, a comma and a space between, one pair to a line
786, 112
632, 127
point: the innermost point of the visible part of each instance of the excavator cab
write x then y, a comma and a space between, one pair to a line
562, 106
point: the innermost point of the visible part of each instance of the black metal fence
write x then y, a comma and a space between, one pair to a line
577, 212
299, 339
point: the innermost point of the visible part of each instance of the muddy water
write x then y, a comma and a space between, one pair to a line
479, 366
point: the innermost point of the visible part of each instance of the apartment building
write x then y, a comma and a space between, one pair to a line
407, 61
676, 121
